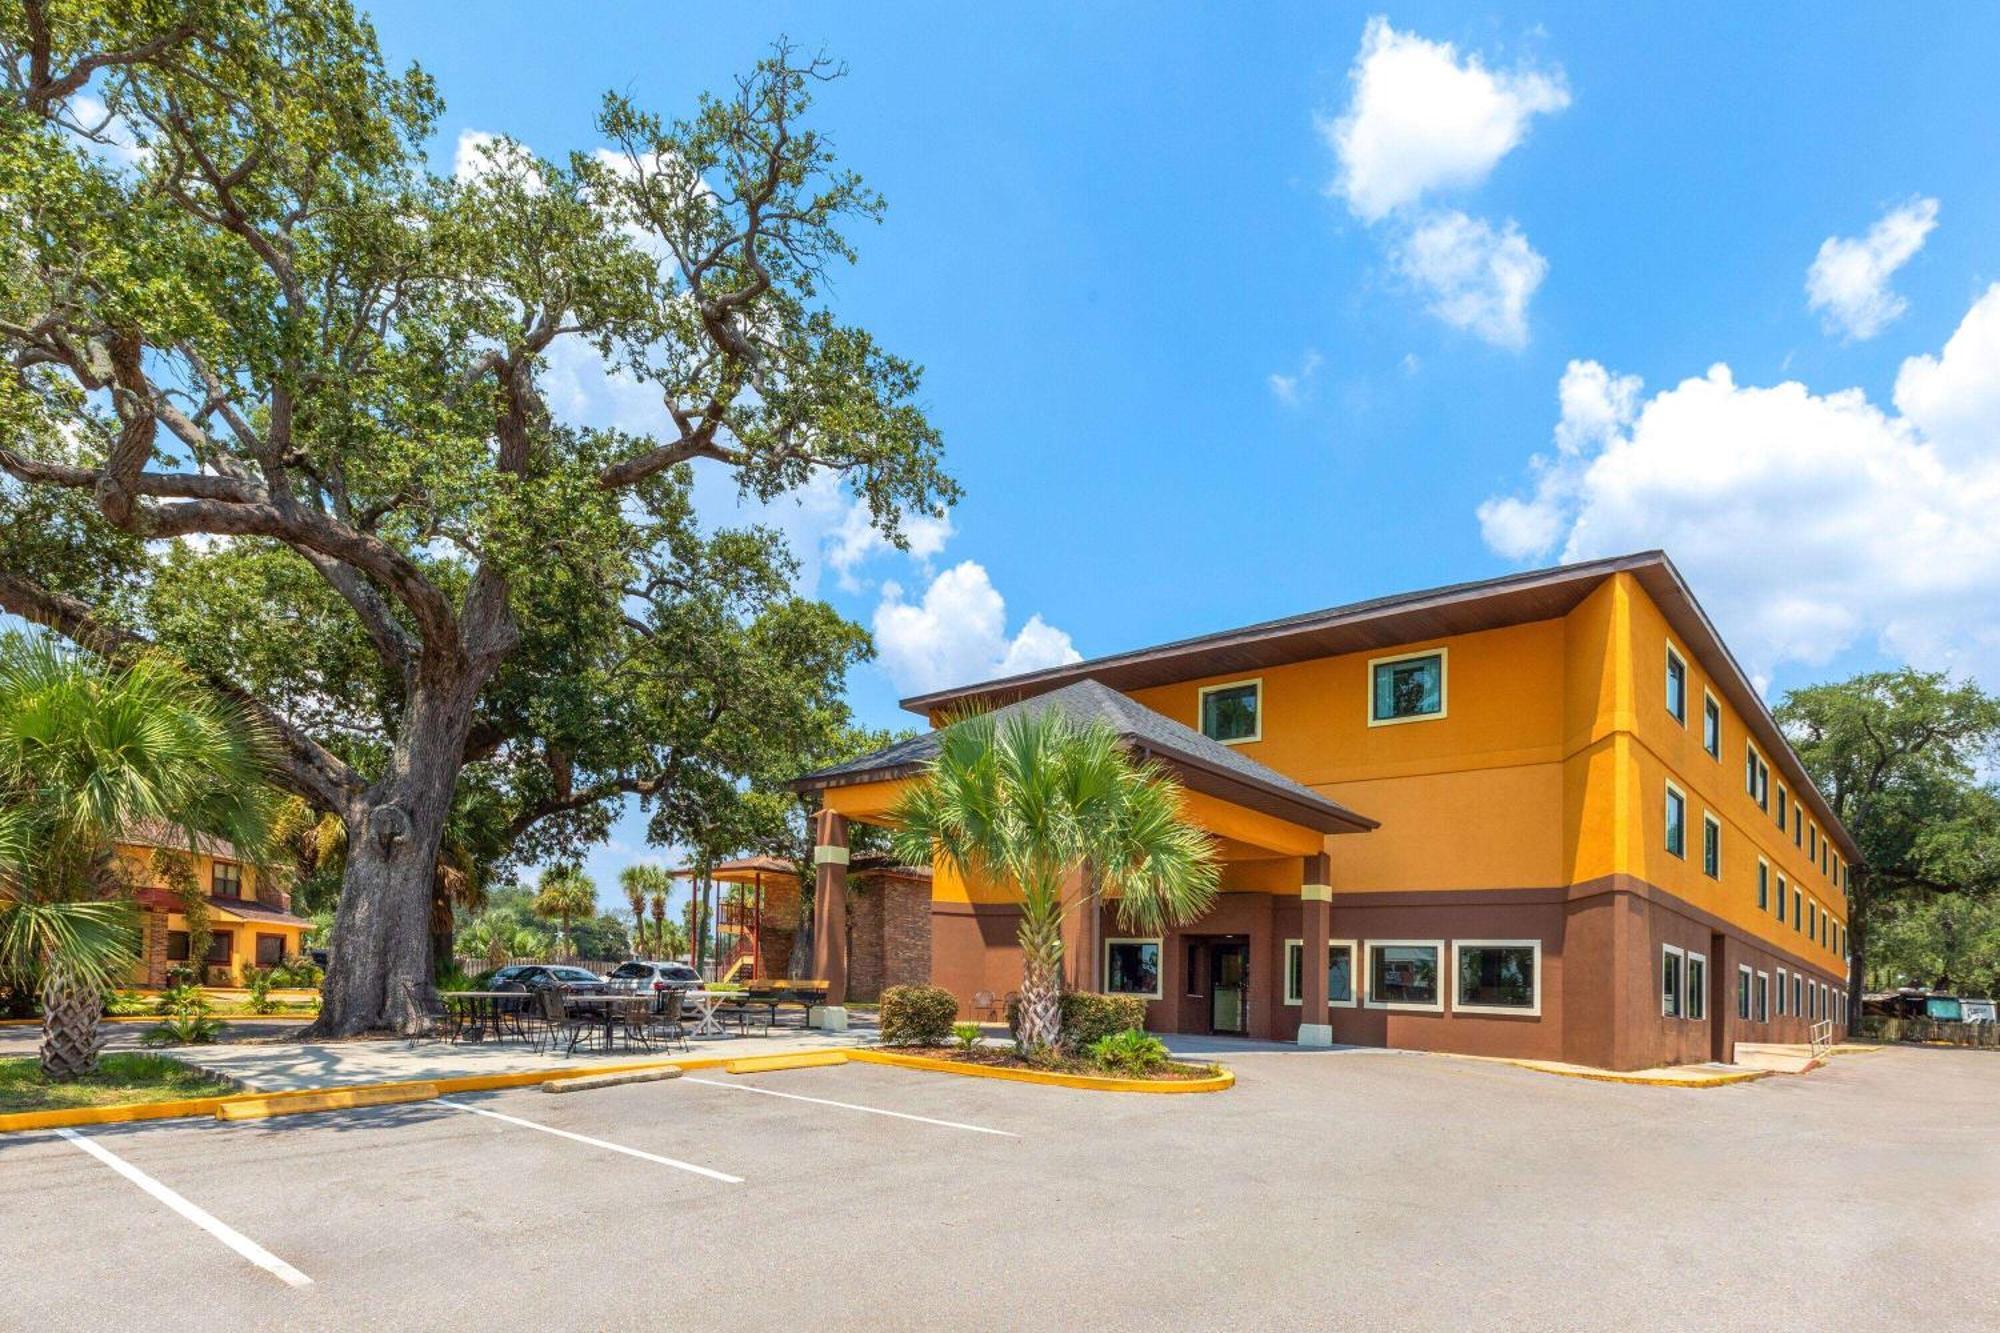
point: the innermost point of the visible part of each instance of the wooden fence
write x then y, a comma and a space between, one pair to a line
1986, 1035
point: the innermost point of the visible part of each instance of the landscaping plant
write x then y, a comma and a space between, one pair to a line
86, 752
917, 1015
968, 1035
1057, 810
257, 980
186, 1019
1130, 1054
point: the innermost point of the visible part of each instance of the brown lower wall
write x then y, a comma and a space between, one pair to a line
1600, 983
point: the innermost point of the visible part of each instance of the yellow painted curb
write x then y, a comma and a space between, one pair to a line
263, 1108
764, 1064
1048, 1077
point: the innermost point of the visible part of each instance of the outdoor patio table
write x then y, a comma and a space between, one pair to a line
611, 1005
479, 1009
708, 1001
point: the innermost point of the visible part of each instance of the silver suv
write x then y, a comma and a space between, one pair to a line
636, 977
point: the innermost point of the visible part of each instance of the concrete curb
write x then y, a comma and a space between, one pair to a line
1050, 1078
1642, 1079
263, 1108
768, 1064
587, 1082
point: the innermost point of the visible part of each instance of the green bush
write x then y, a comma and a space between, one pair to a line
187, 1021
968, 1034
1130, 1053
1088, 1018
918, 1015
257, 980
298, 972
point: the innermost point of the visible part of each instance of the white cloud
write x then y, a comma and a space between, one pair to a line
1808, 523
1473, 277
1293, 389
1848, 282
958, 634
1423, 119
857, 538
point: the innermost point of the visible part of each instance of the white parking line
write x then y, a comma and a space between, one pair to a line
596, 1143
228, 1235
850, 1106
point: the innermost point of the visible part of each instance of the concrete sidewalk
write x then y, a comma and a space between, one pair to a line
282, 1065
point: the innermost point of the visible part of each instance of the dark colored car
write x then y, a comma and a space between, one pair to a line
547, 976
639, 976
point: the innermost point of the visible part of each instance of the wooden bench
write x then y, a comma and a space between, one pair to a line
806, 992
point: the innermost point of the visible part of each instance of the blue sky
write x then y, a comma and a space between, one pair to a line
1229, 318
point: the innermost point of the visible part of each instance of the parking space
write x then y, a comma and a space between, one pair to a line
1335, 1188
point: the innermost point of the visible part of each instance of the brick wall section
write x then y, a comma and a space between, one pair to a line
888, 934
156, 948
864, 938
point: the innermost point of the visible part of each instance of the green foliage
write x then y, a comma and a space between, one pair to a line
967, 1035
1087, 1017
917, 1015
257, 980
298, 972
186, 1019
121, 1078
1028, 799
1949, 942
563, 895
1129, 1054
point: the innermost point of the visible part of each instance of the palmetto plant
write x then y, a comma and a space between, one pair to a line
1061, 812
86, 752
562, 895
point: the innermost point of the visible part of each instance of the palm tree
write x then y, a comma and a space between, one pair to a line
563, 894
86, 752
1039, 801
642, 883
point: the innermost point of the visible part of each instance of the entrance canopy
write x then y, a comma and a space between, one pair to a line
1252, 811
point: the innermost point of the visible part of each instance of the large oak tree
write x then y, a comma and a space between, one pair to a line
278, 397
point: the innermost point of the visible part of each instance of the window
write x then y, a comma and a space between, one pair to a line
1781, 990
1403, 974
1743, 993
1784, 807
1711, 846
270, 950
1672, 961
225, 880
177, 946
1812, 841
1408, 688
1677, 809
1756, 777
1339, 972
1825, 854
1763, 885
220, 946
1763, 997
1798, 908
1497, 976
1711, 725
1697, 996
1798, 994
1843, 942
1132, 967
1812, 920
1781, 900
1798, 830
1233, 713
1677, 686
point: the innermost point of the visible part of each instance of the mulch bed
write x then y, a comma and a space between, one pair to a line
1001, 1057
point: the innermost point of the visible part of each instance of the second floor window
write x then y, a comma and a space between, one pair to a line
1677, 687
1711, 847
1677, 810
1233, 712
226, 880
1711, 727
1756, 778
1404, 689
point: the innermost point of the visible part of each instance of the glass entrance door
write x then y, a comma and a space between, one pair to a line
1229, 976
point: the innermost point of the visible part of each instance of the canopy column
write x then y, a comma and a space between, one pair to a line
1316, 907
830, 918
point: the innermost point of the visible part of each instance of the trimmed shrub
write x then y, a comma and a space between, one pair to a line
1131, 1053
1087, 1017
918, 1015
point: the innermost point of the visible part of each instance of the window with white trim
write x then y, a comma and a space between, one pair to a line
1781, 992
1132, 967
1756, 777
1697, 987
1677, 814
1339, 972
1781, 900
1743, 992
1403, 974
1784, 807
1711, 846
1763, 997
1798, 994
1711, 725
1409, 687
1673, 966
1677, 686
1497, 976
1763, 885
1233, 713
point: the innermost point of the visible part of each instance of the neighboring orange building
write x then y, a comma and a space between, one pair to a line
250, 910
1545, 815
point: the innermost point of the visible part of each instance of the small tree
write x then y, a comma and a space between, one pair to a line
563, 896
1060, 812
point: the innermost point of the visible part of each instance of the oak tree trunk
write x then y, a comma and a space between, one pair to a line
379, 970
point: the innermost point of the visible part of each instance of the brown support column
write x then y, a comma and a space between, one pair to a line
1316, 909
830, 916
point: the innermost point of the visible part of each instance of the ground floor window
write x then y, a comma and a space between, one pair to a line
177, 946
1132, 967
220, 946
270, 950
1672, 965
1403, 974
1798, 995
1497, 976
1763, 997
1781, 990
1339, 972
1697, 996
1743, 993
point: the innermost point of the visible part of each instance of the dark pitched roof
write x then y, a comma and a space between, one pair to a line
1200, 763
250, 910
1413, 617
156, 833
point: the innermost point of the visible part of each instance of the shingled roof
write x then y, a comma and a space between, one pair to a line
1200, 763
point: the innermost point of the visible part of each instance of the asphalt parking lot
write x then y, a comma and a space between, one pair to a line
1345, 1189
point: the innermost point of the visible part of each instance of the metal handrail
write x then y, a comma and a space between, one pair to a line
1821, 1037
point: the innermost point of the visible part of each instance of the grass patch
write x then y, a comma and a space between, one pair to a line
120, 1078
